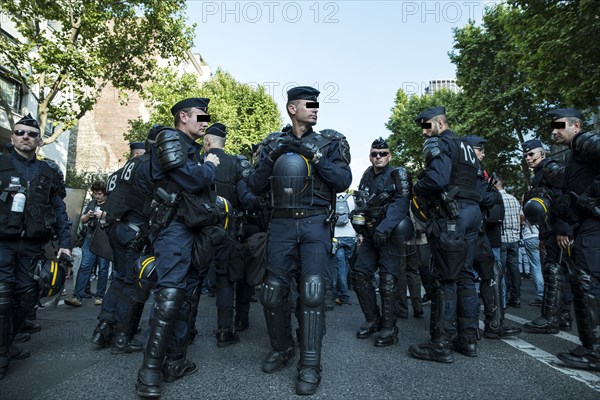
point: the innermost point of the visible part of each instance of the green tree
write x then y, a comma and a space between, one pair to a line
72, 49
559, 49
498, 102
249, 113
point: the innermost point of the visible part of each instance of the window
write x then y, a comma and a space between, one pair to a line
11, 92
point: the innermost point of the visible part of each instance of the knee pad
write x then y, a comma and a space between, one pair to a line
6, 293
312, 290
387, 284
272, 294
168, 303
551, 268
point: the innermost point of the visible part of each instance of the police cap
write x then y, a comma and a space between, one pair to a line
217, 129
136, 146
303, 93
565, 113
379, 143
28, 120
429, 113
475, 141
531, 144
198, 102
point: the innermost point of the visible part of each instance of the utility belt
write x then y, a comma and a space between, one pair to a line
296, 213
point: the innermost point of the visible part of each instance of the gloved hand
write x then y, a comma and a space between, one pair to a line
283, 146
308, 150
379, 239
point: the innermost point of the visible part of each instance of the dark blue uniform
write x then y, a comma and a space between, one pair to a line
582, 185
299, 245
172, 240
23, 236
452, 164
382, 219
547, 182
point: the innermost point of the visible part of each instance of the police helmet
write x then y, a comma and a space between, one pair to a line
402, 238
536, 211
224, 211
50, 276
419, 208
291, 181
145, 272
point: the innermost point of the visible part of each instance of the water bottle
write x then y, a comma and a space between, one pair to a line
18, 204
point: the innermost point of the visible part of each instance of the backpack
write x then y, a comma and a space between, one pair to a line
342, 210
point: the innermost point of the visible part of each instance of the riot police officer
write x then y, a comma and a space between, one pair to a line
546, 187
382, 203
580, 206
127, 207
231, 183
449, 183
303, 170
485, 262
184, 204
31, 206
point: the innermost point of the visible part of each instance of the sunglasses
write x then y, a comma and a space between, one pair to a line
380, 153
203, 118
31, 134
530, 154
558, 125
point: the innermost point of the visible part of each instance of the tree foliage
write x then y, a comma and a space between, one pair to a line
248, 112
498, 99
559, 48
73, 49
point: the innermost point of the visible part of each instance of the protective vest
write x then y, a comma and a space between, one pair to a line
381, 189
464, 168
36, 221
547, 180
124, 195
320, 188
226, 178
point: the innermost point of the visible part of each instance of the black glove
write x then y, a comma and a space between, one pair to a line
308, 150
283, 146
379, 239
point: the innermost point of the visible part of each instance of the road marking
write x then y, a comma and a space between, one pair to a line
589, 379
560, 334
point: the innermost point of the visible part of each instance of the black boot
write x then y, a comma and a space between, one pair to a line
227, 337
125, 331
549, 322
6, 290
587, 314
178, 368
168, 303
495, 326
388, 334
438, 348
311, 321
275, 300
103, 334
365, 292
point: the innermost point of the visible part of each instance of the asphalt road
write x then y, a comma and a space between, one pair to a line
64, 365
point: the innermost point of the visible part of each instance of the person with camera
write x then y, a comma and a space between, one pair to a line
32, 208
382, 203
181, 182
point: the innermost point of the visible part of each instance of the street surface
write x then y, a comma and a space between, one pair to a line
64, 365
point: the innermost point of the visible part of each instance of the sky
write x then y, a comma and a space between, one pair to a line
357, 53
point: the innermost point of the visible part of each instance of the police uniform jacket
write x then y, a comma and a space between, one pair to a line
29, 172
398, 206
547, 181
332, 171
